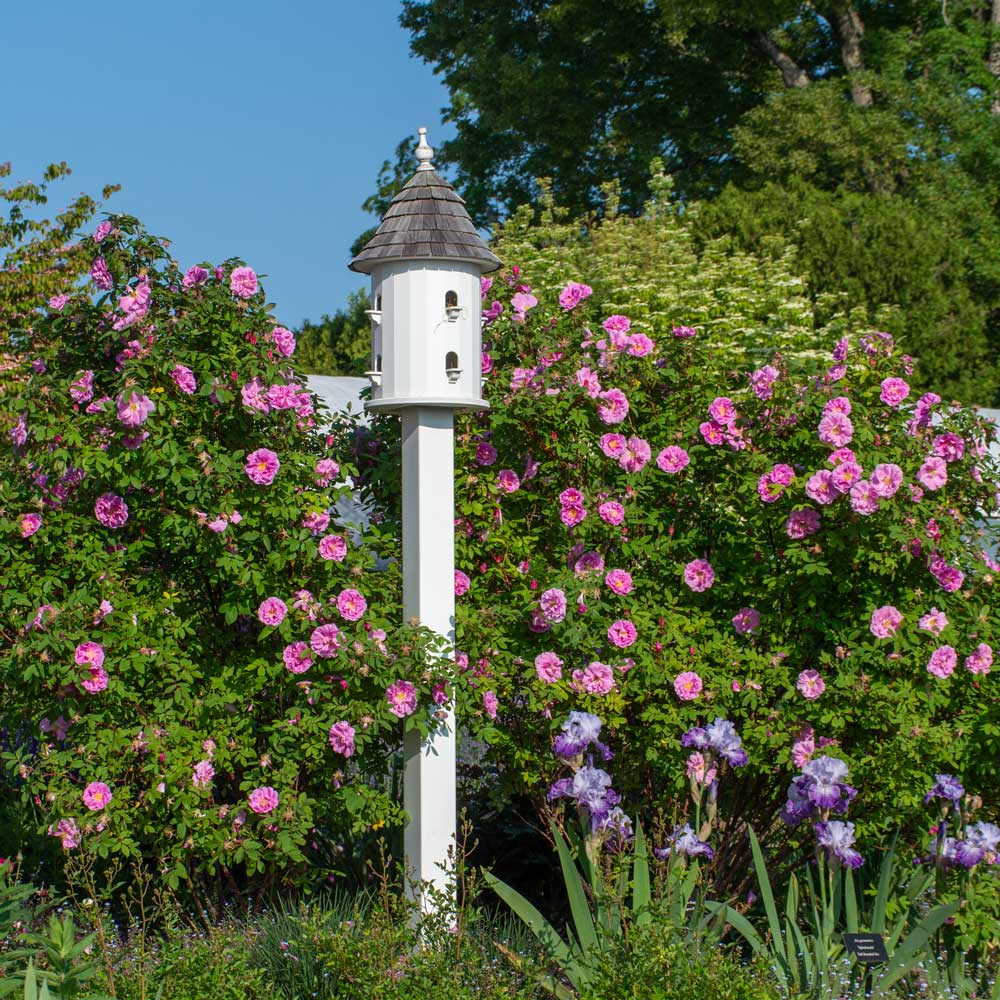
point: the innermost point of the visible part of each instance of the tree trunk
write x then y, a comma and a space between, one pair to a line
994, 59
850, 29
791, 72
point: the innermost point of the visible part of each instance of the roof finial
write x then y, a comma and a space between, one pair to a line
423, 152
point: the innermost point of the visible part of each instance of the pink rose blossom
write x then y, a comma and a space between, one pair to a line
836, 429
950, 578
613, 445
597, 678
351, 605
89, 654
894, 391
949, 446
326, 471
933, 474
297, 657
333, 548
712, 432
639, 345
30, 523
573, 294
243, 282
617, 324
622, 633
589, 562
486, 454
548, 667
82, 390
611, 512
886, 478
202, 774
194, 277
97, 680
284, 341
553, 605
572, 516
980, 660
490, 704
802, 523
934, 622
864, 500
341, 737
134, 410
101, 275
722, 410
402, 698
672, 459
262, 466
839, 404
619, 580
325, 641
96, 796
272, 611
699, 575
637, 454
614, 409
942, 662
263, 799
762, 381
571, 497
746, 620
521, 303
462, 583
687, 685
841, 455
317, 521
684, 332
102, 231
68, 833
804, 747
845, 475
819, 487
810, 684
508, 481
184, 379
885, 621
590, 381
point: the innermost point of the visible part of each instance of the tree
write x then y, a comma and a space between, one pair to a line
41, 257
339, 344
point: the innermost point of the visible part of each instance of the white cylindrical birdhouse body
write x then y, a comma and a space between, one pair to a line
425, 262
427, 343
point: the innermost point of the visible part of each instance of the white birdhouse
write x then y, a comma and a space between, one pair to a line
425, 262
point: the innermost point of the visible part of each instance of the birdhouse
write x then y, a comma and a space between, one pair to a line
425, 262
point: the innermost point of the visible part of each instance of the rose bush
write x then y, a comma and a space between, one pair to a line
194, 659
659, 536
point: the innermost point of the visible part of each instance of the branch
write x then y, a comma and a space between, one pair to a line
849, 30
791, 72
993, 62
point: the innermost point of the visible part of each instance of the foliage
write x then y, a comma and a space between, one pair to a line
751, 495
41, 257
338, 344
167, 678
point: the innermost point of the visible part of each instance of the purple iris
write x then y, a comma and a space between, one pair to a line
981, 839
838, 839
591, 788
718, 737
821, 786
617, 827
684, 841
579, 731
946, 787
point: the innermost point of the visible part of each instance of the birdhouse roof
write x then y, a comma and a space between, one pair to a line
427, 220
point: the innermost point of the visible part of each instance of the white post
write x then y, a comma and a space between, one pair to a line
429, 596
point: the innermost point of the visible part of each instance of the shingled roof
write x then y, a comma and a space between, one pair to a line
427, 219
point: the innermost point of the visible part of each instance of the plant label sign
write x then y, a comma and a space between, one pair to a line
868, 949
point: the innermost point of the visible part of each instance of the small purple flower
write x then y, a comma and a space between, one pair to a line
685, 842
981, 841
946, 787
837, 837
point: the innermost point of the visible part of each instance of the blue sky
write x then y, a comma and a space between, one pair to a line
253, 129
